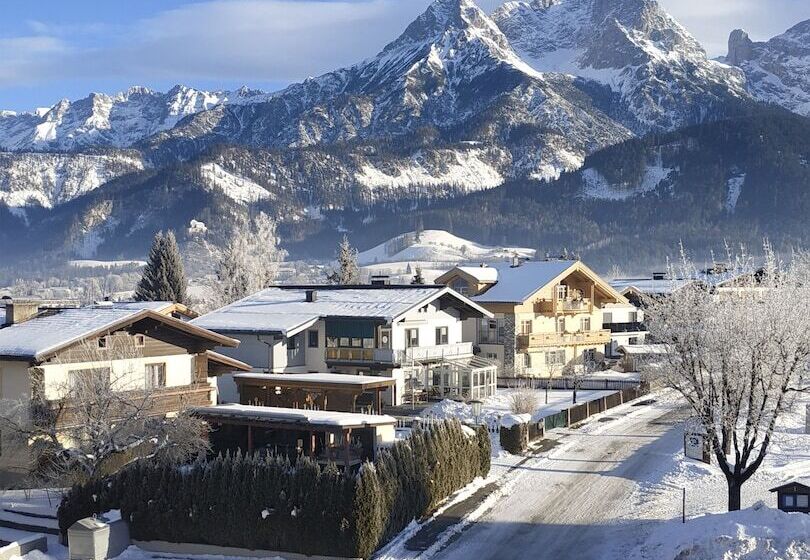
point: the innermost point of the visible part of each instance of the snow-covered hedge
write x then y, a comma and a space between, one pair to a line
268, 503
514, 432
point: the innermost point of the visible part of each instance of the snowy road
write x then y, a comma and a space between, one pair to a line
576, 502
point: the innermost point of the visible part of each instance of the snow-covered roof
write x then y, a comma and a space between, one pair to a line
316, 378
39, 336
286, 311
278, 415
649, 286
803, 480
516, 284
137, 305
644, 349
484, 274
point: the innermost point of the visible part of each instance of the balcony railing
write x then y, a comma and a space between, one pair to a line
389, 356
624, 327
547, 306
563, 339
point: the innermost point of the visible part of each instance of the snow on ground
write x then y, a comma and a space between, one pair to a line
470, 169
597, 186
500, 404
231, 185
435, 245
788, 457
757, 533
735, 185
86, 263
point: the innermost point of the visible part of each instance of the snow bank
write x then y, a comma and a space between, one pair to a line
758, 533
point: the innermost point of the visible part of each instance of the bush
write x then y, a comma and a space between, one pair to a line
523, 401
268, 503
484, 450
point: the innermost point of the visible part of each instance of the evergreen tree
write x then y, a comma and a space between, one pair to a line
164, 278
348, 272
418, 279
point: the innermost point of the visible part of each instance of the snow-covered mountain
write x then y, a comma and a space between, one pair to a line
659, 74
452, 71
778, 70
47, 180
101, 120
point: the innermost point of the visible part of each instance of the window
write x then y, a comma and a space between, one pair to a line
423, 309
607, 318
492, 356
632, 341
344, 342
140, 340
368, 343
527, 361
789, 500
560, 324
562, 291
155, 376
461, 286
555, 358
802, 501
441, 336
585, 324
331, 342
525, 327
411, 338
357, 342
312, 338
632, 317
102, 342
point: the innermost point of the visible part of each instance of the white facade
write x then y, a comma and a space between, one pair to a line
624, 321
434, 333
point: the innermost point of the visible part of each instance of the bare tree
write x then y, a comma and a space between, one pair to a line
249, 262
103, 415
523, 401
737, 355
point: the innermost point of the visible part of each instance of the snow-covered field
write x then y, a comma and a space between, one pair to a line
436, 246
500, 404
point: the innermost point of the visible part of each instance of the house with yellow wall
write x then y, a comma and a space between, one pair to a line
547, 314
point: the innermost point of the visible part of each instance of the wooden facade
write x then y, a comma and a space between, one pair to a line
794, 496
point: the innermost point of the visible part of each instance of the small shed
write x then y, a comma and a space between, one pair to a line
794, 495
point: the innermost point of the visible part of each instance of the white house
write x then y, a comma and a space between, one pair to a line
403, 332
625, 322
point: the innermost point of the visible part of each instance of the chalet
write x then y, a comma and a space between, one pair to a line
412, 334
548, 315
45, 348
794, 495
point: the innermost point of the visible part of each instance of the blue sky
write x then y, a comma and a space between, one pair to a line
53, 49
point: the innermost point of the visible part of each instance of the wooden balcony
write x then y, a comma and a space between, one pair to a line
159, 402
583, 338
563, 306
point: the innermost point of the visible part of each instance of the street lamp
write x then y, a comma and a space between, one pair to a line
476, 410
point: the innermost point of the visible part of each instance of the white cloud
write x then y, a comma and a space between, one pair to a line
261, 41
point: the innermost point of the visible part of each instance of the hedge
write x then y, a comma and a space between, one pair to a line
265, 502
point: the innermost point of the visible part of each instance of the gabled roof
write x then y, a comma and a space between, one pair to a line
482, 274
42, 336
285, 311
164, 307
649, 286
801, 481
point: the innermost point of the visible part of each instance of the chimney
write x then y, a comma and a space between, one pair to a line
19, 311
311, 296
516, 262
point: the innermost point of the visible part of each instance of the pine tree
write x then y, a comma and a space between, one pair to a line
348, 272
164, 278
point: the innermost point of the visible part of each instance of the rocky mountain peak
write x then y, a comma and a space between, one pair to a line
740, 47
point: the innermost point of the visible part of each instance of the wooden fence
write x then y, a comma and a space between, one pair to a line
567, 383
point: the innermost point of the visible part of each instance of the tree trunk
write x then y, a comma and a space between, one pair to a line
734, 493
